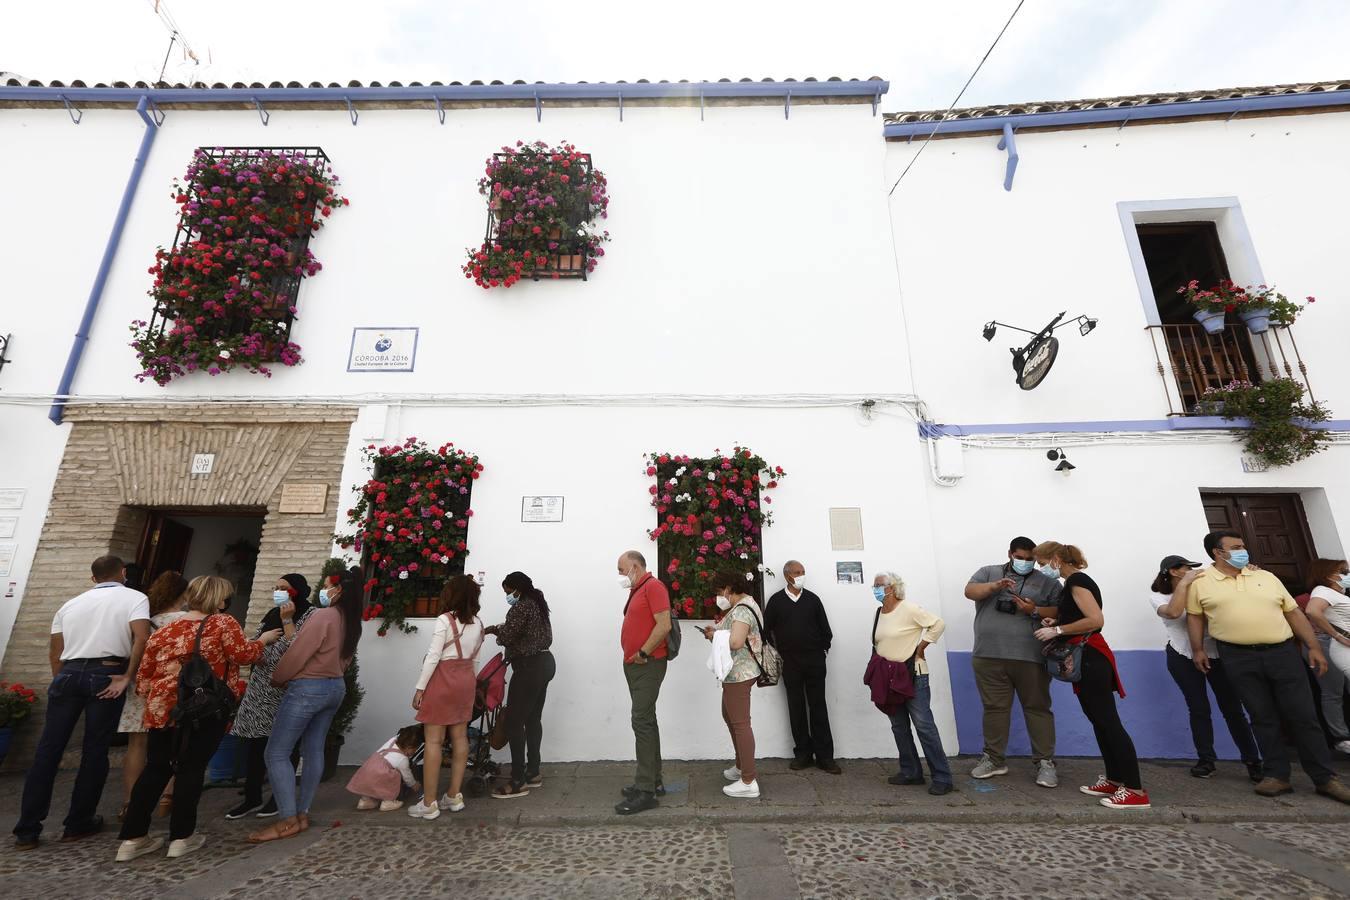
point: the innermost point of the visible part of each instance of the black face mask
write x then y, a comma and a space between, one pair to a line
225, 607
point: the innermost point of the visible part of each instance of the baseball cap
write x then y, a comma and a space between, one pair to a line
1173, 562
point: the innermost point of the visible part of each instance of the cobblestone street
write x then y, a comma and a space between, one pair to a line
1004, 838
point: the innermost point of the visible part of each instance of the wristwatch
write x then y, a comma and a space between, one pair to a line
643, 653
1059, 630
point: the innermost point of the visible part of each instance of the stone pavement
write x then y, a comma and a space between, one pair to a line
811, 835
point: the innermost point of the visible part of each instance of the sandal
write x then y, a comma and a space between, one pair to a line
303, 819
275, 832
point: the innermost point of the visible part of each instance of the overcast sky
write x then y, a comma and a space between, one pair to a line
1055, 49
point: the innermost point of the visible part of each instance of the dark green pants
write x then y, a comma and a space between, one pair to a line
644, 686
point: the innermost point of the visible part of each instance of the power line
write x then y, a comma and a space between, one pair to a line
943, 118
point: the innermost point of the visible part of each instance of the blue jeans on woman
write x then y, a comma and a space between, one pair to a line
306, 711
919, 711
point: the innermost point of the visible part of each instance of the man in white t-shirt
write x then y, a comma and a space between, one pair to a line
96, 644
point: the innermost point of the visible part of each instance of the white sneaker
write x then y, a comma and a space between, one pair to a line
454, 804
184, 846
366, 803
1343, 746
742, 791
390, 805
420, 810
129, 850
732, 774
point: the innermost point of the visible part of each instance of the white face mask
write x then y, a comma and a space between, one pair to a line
625, 582
799, 583
280, 597
724, 603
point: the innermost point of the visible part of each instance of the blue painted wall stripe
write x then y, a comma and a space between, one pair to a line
1153, 711
1179, 423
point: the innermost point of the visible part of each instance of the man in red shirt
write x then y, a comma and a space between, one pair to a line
646, 622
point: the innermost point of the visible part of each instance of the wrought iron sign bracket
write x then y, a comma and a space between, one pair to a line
538, 108
263, 115
351, 110
440, 110
787, 105
620, 106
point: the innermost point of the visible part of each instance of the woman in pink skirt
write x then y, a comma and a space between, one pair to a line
445, 691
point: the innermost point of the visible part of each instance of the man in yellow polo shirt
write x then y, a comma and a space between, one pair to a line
1254, 621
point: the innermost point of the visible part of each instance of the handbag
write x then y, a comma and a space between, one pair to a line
202, 696
1064, 658
769, 660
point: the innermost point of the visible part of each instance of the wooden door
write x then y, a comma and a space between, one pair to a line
165, 547
1274, 529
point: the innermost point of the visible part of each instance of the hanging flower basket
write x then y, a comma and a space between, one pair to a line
1280, 417
1258, 306
543, 202
412, 525
711, 514
225, 293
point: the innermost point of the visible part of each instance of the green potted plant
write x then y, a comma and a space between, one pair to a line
1258, 306
16, 703
1280, 417
343, 720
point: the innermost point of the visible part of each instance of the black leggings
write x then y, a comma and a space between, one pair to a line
255, 768
1097, 696
171, 754
525, 711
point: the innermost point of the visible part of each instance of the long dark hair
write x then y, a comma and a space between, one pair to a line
519, 581
459, 598
167, 592
1323, 571
1162, 584
350, 606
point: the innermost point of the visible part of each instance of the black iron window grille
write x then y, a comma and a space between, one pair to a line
568, 248
280, 285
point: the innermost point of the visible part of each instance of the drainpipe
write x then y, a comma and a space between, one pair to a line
109, 254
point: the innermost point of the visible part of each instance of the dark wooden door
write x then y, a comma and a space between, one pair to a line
1274, 529
166, 546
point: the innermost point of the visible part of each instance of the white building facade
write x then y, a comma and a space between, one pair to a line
761, 288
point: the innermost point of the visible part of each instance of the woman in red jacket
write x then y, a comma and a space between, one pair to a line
172, 752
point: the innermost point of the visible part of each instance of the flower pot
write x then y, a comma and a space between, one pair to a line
6, 735
1210, 320
1258, 320
332, 747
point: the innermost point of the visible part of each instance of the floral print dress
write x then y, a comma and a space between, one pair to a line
133, 710
261, 700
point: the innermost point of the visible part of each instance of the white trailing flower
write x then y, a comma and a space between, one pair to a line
672, 482
389, 528
680, 471
402, 576
712, 476
761, 567
749, 576
224, 354
745, 556
445, 559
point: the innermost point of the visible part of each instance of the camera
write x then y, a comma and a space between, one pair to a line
1006, 605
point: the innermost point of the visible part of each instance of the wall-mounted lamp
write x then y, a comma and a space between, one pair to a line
1064, 467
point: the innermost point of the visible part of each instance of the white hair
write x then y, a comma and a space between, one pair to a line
894, 580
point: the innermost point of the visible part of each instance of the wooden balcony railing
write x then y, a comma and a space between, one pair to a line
1191, 361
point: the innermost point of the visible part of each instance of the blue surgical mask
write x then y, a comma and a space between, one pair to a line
1238, 559
1023, 566
879, 593
280, 597
1345, 582
323, 597
1049, 571
512, 599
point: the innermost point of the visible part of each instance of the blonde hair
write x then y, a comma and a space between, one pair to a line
208, 594
1065, 553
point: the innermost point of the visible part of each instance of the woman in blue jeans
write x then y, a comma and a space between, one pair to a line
902, 633
311, 671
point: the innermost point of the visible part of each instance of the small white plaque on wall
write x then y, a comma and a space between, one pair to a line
382, 350
12, 498
541, 509
7, 554
1252, 464
846, 528
8, 525
303, 498
202, 463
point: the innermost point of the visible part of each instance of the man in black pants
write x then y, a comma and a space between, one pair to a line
796, 624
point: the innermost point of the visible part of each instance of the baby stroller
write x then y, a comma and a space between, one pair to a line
489, 692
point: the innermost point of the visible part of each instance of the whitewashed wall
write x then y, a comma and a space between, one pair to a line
594, 458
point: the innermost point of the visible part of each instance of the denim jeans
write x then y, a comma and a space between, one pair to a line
74, 691
919, 711
1192, 683
306, 711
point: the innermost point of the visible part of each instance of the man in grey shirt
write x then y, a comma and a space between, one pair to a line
1007, 658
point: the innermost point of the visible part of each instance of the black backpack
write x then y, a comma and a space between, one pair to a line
202, 697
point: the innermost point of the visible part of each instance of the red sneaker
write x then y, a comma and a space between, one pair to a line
1127, 799
1102, 788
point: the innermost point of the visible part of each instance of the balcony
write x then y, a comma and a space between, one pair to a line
1191, 361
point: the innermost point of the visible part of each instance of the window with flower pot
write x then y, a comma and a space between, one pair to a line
226, 292
710, 516
411, 526
543, 204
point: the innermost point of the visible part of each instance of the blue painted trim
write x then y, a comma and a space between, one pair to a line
1007, 142
1179, 423
1120, 114
105, 265
462, 92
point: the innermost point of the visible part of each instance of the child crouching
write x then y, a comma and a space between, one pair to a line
381, 778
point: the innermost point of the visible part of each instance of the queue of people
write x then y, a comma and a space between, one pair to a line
1230, 628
